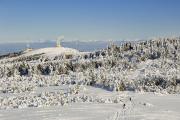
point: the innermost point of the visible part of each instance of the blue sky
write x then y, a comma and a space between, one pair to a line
33, 20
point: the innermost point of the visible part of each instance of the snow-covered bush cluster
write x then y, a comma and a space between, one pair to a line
149, 66
53, 99
20, 84
42, 99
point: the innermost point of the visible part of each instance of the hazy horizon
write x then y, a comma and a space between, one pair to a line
79, 45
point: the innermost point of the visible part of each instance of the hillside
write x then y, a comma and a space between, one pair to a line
60, 76
145, 66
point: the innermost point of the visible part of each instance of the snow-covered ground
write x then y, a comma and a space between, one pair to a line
52, 51
143, 106
138, 81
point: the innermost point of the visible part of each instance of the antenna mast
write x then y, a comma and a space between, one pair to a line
58, 41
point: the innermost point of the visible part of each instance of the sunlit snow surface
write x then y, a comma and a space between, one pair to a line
144, 106
53, 51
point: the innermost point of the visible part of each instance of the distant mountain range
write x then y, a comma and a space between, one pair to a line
79, 45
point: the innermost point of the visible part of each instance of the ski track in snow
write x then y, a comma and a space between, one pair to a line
163, 108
